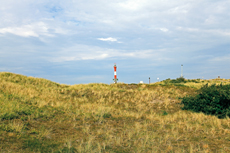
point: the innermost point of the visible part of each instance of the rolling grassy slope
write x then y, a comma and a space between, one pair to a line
37, 115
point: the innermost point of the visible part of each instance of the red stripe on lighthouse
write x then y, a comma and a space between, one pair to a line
115, 73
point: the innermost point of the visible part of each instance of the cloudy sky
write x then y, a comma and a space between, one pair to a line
78, 41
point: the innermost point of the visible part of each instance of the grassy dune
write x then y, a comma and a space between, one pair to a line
37, 115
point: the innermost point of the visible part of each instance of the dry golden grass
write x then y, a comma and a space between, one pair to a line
49, 117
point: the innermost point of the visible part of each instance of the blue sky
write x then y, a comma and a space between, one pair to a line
78, 41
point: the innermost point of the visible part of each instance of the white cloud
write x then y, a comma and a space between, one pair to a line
28, 30
220, 32
82, 52
164, 29
220, 59
35, 29
22, 31
133, 4
108, 39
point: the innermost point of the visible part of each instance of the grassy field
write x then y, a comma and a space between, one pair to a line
37, 115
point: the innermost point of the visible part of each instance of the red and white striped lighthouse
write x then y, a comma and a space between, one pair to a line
115, 74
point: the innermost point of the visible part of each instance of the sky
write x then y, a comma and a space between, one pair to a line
78, 41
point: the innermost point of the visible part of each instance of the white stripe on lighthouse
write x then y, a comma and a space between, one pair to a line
115, 73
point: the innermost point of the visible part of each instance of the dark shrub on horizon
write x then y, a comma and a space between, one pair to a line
211, 100
177, 80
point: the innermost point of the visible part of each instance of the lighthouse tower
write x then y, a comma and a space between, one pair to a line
115, 74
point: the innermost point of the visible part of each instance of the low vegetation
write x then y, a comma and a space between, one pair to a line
211, 100
37, 115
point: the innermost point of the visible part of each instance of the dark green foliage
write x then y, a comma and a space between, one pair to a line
177, 80
5, 127
9, 116
24, 118
25, 111
107, 115
194, 80
211, 100
180, 80
165, 113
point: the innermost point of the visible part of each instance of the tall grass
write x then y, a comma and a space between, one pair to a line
38, 115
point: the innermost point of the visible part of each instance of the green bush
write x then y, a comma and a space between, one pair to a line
177, 80
107, 115
9, 116
211, 100
165, 113
194, 80
180, 80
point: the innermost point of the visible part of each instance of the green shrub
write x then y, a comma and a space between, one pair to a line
180, 80
9, 116
211, 100
164, 113
193, 80
24, 118
177, 80
6, 128
25, 111
107, 115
